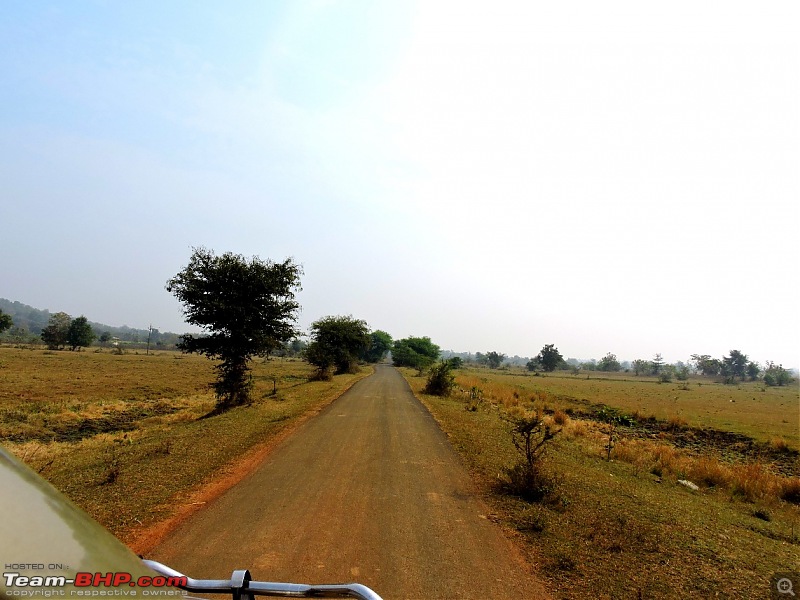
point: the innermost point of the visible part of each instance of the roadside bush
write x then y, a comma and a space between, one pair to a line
529, 478
440, 381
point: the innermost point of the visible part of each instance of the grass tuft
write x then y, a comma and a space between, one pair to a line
752, 482
709, 472
790, 490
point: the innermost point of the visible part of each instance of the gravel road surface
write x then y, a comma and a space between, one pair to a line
368, 491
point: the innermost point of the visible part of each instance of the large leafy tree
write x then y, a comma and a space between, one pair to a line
549, 357
57, 330
416, 352
609, 363
734, 365
706, 365
337, 343
80, 333
380, 343
641, 366
246, 307
495, 359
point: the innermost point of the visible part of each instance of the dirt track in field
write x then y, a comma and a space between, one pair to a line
368, 491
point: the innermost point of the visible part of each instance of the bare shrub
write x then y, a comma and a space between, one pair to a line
529, 478
613, 419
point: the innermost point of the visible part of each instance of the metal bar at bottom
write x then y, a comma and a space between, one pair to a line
265, 588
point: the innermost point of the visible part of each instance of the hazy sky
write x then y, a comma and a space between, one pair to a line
605, 176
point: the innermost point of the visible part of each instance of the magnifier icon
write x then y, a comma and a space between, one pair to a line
784, 586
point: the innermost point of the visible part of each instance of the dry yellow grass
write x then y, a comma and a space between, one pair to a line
626, 529
560, 418
516, 395
124, 436
749, 408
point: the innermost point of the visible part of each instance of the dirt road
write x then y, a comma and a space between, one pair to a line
370, 491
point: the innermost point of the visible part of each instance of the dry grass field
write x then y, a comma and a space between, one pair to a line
625, 528
125, 436
752, 409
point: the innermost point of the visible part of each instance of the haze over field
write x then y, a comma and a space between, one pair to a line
603, 176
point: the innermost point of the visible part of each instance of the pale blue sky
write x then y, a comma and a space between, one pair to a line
615, 176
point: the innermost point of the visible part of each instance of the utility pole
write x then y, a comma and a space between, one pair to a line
149, 333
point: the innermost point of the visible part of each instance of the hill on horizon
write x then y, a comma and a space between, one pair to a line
32, 320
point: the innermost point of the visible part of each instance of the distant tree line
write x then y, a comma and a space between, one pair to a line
729, 369
737, 366
61, 331
28, 324
247, 308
